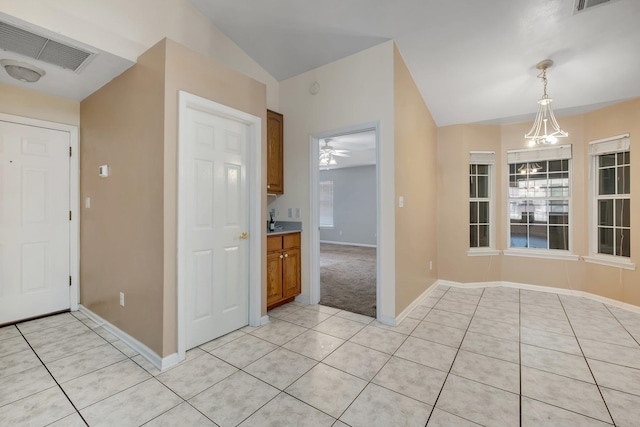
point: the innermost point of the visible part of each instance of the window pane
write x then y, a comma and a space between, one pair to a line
607, 160
538, 211
622, 242
483, 186
483, 212
473, 212
483, 170
483, 238
605, 212
518, 212
605, 240
472, 187
623, 158
538, 237
622, 213
555, 165
624, 180
518, 236
473, 236
473, 169
607, 181
558, 212
559, 238
326, 204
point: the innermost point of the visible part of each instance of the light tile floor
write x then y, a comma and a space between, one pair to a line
491, 356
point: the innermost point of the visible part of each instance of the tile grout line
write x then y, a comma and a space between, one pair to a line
587, 362
454, 360
54, 379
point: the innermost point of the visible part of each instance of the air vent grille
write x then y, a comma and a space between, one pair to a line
582, 5
34, 46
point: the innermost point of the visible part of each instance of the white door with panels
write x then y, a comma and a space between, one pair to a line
34, 221
217, 221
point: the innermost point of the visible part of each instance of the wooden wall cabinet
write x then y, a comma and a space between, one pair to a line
275, 152
283, 269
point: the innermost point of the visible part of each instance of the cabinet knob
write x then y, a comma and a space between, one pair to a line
268, 185
281, 256
286, 255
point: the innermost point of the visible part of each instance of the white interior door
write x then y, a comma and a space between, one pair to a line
217, 248
34, 221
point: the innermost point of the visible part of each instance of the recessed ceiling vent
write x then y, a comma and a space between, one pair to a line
582, 5
42, 48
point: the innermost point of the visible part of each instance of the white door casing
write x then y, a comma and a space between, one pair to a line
38, 239
217, 226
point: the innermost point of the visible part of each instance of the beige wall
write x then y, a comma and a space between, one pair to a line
128, 28
122, 233
454, 144
415, 144
28, 103
128, 239
353, 91
189, 71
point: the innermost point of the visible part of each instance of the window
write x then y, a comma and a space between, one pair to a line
539, 198
612, 202
480, 199
326, 204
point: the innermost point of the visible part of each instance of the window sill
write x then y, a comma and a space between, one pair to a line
611, 262
483, 252
561, 255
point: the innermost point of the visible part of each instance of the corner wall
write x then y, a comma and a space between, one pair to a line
354, 90
122, 233
415, 147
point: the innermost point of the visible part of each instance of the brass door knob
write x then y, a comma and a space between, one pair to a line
244, 235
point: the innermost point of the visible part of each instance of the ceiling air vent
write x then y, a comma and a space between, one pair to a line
582, 5
42, 48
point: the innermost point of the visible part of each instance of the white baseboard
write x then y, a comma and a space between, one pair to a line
264, 320
537, 288
154, 358
304, 299
364, 245
416, 302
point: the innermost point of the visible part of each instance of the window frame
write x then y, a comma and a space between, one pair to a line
485, 158
612, 145
537, 155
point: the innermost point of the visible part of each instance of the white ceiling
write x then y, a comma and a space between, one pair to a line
101, 69
473, 61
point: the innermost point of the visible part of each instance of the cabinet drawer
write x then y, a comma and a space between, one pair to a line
274, 243
291, 240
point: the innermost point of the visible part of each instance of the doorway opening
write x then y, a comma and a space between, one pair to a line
345, 213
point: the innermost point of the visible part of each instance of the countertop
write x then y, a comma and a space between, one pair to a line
286, 227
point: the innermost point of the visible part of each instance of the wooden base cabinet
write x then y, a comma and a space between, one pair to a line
283, 269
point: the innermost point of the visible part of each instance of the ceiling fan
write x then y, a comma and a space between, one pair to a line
327, 150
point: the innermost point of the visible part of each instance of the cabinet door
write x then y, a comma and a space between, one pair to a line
275, 150
274, 278
291, 285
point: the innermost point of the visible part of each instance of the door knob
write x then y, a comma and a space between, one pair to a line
244, 235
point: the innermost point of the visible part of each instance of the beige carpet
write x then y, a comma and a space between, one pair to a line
348, 278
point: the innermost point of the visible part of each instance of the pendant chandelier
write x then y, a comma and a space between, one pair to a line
545, 129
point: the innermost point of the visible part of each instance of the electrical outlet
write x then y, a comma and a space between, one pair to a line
430, 265
297, 212
289, 213
122, 299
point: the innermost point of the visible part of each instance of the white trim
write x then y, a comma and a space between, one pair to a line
154, 358
482, 157
483, 252
348, 244
264, 320
416, 302
558, 152
609, 145
546, 254
74, 197
303, 299
610, 261
548, 289
254, 183
314, 220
